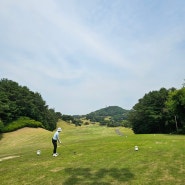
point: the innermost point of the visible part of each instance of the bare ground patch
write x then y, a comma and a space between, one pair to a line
9, 157
57, 169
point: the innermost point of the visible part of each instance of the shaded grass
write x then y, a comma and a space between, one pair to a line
102, 157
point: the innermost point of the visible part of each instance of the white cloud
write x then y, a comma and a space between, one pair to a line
86, 55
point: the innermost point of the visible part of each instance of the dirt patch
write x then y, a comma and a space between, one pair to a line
9, 157
57, 169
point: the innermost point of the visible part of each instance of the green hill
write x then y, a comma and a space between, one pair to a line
110, 116
111, 111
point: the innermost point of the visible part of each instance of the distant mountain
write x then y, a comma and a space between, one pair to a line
112, 114
110, 111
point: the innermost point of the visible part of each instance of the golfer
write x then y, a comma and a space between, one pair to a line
54, 141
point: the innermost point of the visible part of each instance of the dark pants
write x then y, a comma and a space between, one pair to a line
54, 146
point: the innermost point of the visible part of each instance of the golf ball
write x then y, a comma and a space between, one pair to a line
136, 148
38, 152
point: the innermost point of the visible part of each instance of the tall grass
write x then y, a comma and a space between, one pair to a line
92, 155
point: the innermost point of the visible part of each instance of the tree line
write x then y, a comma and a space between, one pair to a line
18, 101
160, 111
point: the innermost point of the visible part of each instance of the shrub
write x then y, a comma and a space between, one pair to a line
181, 131
22, 122
1, 126
126, 124
86, 123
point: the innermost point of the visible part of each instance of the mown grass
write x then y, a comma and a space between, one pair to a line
92, 155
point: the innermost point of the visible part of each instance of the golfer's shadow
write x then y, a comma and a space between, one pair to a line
87, 176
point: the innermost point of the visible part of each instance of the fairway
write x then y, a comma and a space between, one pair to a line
91, 155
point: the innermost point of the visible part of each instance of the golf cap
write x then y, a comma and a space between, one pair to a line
59, 129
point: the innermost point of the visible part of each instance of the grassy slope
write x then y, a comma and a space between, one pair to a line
102, 157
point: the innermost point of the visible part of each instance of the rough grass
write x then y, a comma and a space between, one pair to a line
92, 155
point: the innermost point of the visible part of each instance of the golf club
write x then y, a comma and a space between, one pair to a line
68, 148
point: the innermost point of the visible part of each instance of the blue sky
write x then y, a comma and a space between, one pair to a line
83, 55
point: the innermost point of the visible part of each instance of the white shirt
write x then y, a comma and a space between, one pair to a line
56, 136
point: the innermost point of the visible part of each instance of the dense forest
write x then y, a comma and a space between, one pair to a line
160, 111
19, 103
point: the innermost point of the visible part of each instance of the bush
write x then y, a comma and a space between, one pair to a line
21, 123
181, 131
86, 123
113, 124
1, 126
126, 124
